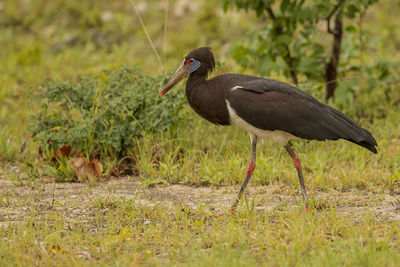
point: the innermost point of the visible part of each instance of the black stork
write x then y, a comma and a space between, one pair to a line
265, 109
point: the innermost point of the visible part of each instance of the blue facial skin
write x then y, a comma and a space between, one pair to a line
191, 65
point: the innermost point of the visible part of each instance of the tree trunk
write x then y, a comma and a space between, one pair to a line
332, 66
288, 57
292, 72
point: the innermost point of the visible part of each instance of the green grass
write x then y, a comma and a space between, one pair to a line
122, 232
67, 39
213, 155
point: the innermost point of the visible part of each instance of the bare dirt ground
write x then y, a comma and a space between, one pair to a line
78, 201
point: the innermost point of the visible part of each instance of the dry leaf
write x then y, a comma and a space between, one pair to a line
85, 170
80, 164
56, 248
114, 172
63, 151
93, 168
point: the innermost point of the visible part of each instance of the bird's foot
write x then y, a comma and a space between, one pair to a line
230, 212
307, 210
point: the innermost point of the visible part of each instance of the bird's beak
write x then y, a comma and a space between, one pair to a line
179, 74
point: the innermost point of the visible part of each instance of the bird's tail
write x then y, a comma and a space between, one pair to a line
353, 132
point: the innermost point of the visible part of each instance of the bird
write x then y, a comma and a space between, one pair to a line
265, 108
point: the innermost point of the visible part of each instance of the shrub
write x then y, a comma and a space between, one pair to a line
103, 113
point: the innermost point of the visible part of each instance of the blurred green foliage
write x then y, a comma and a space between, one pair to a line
63, 40
292, 39
103, 113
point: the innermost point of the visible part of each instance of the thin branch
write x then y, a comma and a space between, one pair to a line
165, 35
147, 35
340, 2
271, 13
332, 66
328, 18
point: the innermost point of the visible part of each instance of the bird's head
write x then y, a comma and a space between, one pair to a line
199, 62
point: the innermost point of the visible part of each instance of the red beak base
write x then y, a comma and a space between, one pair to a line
179, 74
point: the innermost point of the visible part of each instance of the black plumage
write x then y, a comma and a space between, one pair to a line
265, 105
280, 106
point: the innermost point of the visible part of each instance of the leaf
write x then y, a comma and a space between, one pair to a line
93, 169
352, 10
55, 248
284, 5
79, 164
225, 6
351, 28
114, 171
64, 151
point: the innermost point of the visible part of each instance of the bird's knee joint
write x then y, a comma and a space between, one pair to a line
250, 168
297, 162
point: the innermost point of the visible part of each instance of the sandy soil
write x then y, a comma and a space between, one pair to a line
77, 200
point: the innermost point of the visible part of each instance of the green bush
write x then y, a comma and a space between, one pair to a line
103, 113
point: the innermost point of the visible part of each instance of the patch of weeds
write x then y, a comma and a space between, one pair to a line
63, 170
8, 146
17, 181
100, 116
6, 200
30, 170
105, 203
104, 113
319, 204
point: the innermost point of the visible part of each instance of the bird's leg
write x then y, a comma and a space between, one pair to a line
297, 164
250, 170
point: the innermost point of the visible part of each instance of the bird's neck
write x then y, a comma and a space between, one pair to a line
195, 81
207, 99
196, 91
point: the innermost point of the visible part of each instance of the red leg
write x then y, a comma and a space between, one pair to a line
297, 165
249, 173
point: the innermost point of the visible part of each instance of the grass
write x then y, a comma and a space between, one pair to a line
350, 187
195, 158
119, 231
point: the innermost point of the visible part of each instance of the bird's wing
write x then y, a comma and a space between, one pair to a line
272, 105
261, 86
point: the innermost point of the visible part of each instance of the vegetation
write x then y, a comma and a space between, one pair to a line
103, 114
68, 56
117, 231
292, 40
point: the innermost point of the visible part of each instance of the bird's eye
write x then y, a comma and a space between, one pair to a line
189, 62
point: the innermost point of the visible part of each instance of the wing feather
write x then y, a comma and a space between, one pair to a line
273, 105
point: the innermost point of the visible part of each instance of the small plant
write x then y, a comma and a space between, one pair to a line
102, 115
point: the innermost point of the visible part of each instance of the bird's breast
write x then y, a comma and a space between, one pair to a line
210, 105
278, 136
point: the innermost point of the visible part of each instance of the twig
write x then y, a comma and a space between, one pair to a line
271, 13
328, 19
52, 201
342, 78
147, 35
165, 35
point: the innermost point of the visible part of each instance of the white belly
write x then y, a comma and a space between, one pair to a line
278, 136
